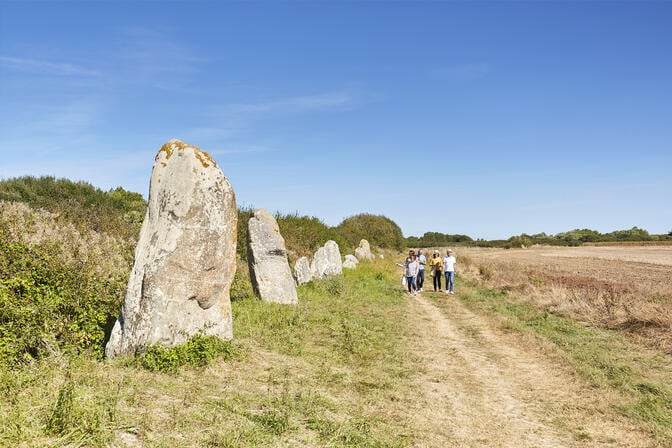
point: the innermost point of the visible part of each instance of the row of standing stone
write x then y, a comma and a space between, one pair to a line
185, 259
327, 261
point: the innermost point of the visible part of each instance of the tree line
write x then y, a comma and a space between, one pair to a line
574, 237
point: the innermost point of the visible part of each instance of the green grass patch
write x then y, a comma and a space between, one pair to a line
198, 351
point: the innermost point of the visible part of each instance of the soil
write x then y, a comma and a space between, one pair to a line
485, 387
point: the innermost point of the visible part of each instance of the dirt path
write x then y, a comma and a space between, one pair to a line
482, 387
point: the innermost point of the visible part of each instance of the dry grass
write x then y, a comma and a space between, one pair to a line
621, 287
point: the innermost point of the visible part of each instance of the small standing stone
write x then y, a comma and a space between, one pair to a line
327, 261
363, 252
302, 271
350, 261
267, 257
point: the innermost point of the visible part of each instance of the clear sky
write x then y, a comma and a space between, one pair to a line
482, 118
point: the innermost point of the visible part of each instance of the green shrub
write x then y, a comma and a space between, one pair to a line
379, 231
304, 235
46, 306
118, 212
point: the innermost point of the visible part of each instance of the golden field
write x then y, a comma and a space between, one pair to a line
627, 288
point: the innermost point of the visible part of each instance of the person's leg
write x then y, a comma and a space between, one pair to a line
408, 283
436, 275
415, 285
452, 281
438, 278
447, 280
421, 278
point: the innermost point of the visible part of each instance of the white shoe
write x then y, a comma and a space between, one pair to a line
452, 292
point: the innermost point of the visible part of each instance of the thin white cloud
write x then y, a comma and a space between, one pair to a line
42, 67
74, 118
148, 54
295, 104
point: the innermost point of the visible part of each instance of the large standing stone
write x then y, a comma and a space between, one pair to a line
302, 271
350, 261
363, 252
185, 257
327, 261
267, 257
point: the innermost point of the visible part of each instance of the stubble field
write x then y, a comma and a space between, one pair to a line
626, 288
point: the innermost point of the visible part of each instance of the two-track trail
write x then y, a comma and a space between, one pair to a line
484, 387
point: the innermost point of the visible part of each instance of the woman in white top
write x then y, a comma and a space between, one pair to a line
411, 267
449, 262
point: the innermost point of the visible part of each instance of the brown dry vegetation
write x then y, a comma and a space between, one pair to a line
625, 288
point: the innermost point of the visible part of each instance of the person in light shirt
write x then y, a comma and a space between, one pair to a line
449, 262
422, 260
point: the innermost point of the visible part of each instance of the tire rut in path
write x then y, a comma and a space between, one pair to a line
479, 389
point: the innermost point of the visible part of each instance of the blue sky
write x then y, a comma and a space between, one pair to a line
482, 118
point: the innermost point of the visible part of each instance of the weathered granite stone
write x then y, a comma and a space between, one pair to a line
302, 271
363, 252
350, 261
327, 261
185, 257
267, 258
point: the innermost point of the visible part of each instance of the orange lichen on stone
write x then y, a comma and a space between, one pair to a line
170, 147
204, 158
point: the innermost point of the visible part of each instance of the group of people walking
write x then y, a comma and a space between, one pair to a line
414, 270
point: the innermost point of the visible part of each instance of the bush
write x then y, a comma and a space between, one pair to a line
118, 212
46, 306
379, 231
305, 234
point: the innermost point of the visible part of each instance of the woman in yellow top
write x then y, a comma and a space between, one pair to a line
436, 266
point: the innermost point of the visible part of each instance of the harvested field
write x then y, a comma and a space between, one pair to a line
621, 287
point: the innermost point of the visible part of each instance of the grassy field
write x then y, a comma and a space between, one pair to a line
333, 371
346, 368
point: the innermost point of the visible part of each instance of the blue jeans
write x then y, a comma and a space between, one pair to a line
410, 281
421, 278
450, 280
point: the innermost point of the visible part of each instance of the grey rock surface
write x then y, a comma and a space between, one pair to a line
271, 276
327, 261
302, 272
350, 262
363, 251
185, 256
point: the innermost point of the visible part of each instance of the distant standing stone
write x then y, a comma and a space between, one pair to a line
350, 261
267, 258
302, 271
327, 261
185, 257
363, 252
